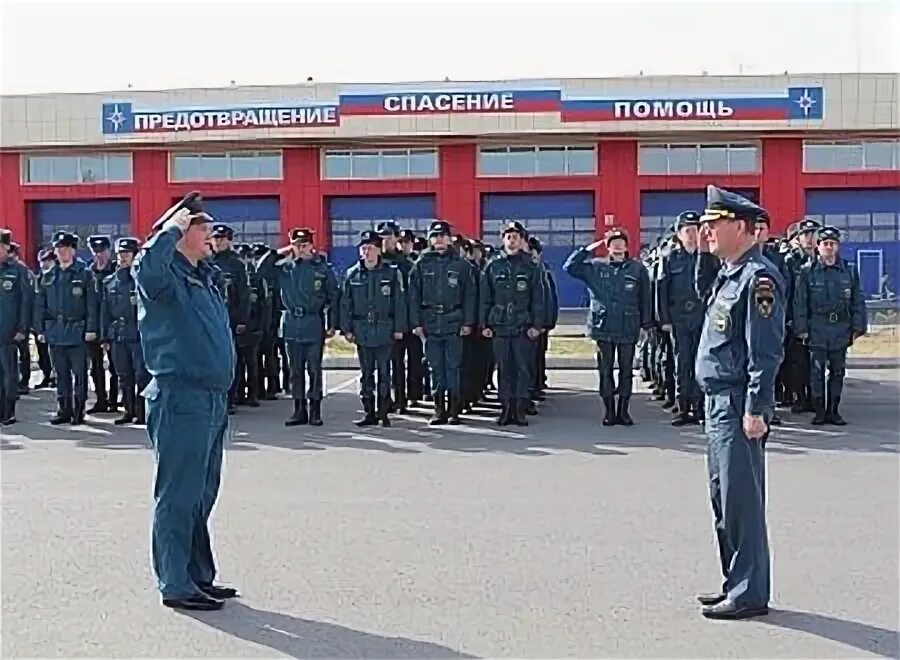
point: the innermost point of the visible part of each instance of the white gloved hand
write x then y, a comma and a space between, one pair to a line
181, 219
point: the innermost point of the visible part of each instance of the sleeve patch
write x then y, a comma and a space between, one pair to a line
764, 294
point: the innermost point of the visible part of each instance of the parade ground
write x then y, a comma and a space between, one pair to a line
562, 539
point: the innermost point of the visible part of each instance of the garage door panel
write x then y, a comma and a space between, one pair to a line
254, 219
111, 217
659, 208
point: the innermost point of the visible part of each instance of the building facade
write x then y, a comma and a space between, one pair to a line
570, 158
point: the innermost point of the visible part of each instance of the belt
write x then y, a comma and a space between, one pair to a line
60, 318
370, 316
833, 317
442, 309
297, 311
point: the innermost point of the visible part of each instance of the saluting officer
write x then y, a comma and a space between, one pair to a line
235, 287
66, 317
737, 362
309, 297
797, 369
442, 310
829, 315
16, 308
512, 314
373, 314
681, 314
119, 332
620, 307
102, 266
393, 256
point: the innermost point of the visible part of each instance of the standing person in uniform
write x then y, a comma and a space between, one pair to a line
66, 317
46, 261
309, 295
512, 314
681, 315
23, 349
620, 307
393, 256
186, 339
797, 369
119, 332
235, 286
16, 308
415, 362
373, 314
829, 315
247, 381
101, 267
737, 362
267, 360
551, 316
442, 312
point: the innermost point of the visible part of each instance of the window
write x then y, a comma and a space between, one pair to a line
850, 156
345, 233
698, 159
863, 227
257, 231
555, 160
225, 166
80, 168
380, 164
566, 232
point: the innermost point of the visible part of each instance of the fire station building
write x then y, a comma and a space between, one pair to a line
569, 158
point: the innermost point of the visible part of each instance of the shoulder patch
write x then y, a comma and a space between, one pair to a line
764, 294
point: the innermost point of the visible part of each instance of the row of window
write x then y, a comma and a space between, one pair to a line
559, 160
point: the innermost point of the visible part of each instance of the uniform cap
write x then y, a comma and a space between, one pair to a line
388, 228
613, 234
65, 239
5, 237
763, 218
439, 228
221, 230
420, 243
302, 235
369, 237
128, 244
99, 242
244, 250
260, 249
728, 205
535, 244
807, 225
513, 226
829, 234
193, 202
407, 235
687, 219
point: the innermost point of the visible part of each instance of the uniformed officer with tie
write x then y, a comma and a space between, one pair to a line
16, 308
119, 332
741, 348
66, 314
797, 369
829, 315
392, 255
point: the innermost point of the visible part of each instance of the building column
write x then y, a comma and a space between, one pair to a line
457, 200
781, 190
12, 203
617, 203
150, 194
302, 204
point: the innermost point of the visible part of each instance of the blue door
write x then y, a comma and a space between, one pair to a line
562, 222
254, 219
347, 216
660, 208
869, 220
111, 217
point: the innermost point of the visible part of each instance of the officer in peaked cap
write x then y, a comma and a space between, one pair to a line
741, 347
407, 241
247, 383
373, 314
551, 316
119, 331
187, 346
829, 315
442, 311
269, 349
16, 303
513, 316
408, 347
102, 266
66, 317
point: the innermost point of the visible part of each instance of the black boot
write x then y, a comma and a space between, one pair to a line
520, 412
833, 416
455, 409
819, 408
63, 412
369, 408
529, 407
683, 418
300, 415
8, 412
101, 405
440, 411
622, 416
140, 410
609, 416
128, 414
78, 411
315, 412
384, 410
669, 404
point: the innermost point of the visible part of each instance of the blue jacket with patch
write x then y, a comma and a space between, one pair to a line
828, 305
66, 304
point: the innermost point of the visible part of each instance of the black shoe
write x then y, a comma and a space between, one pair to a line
609, 416
369, 419
315, 412
100, 406
253, 403
711, 599
300, 415
455, 410
821, 417
219, 592
126, 418
530, 408
519, 415
140, 411
64, 412
726, 609
798, 408
622, 415
833, 416
384, 409
683, 419
44, 384
232, 410
506, 414
200, 602
668, 405
440, 411
776, 421
78, 412
8, 414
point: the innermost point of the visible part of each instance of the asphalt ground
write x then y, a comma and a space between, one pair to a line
562, 539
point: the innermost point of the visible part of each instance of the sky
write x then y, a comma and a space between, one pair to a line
78, 46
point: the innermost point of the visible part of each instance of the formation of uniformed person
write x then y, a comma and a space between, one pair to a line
620, 307
119, 332
268, 368
373, 314
829, 315
738, 358
551, 316
235, 287
16, 309
662, 351
66, 318
46, 260
309, 301
512, 314
442, 311
405, 347
101, 267
477, 350
681, 313
247, 388
797, 369
23, 350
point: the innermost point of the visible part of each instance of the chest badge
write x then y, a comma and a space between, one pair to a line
386, 290
317, 285
521, 285
629, 286
7, 285
77, 291
453, 279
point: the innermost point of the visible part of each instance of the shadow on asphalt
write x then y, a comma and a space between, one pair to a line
852, 633
870, 407
303, 638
